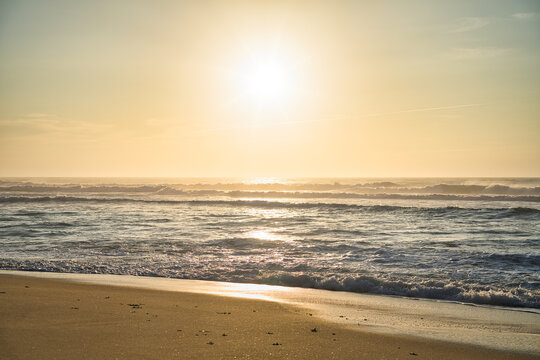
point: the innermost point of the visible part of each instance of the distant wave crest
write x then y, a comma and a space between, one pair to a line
210, 196
280, 190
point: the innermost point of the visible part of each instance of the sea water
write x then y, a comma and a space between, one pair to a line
468, 240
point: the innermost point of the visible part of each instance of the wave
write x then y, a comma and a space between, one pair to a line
35, 188
430, 289
267, 195
316, 190
346, 195
512, 211
479, 190
406, 287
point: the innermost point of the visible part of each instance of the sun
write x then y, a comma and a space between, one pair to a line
267, 79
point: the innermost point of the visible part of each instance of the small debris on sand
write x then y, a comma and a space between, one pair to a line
270, 333
223, 334
74, 308
276, 344
26, 286
314, 330
334, 334
413, 354
210, 343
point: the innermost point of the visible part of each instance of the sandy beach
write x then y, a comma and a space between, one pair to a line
59, 319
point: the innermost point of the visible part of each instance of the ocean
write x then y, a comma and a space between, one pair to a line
473, 240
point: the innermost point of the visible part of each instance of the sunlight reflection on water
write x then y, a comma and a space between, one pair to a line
265, 180
263, 235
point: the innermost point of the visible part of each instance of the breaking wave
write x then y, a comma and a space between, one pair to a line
261, 203
268, 204
415, 287
430, 289
279, 189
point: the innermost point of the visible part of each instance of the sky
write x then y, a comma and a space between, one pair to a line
270, 88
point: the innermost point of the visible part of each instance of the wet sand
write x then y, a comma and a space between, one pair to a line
59, 319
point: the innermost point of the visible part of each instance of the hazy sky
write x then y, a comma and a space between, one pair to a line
267, 88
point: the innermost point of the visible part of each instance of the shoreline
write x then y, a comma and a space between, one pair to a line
227, 288
424, 324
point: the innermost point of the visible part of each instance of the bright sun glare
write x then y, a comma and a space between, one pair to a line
267, 80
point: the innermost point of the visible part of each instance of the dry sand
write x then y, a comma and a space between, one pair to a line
58, 319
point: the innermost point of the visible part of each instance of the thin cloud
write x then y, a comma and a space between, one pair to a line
39, 123
205, 131
524, 16
467, 24
478, 52
426, 109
